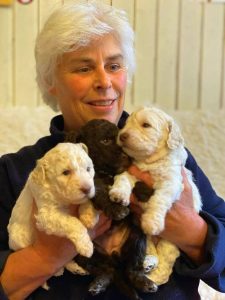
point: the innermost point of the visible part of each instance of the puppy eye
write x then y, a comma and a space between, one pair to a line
146, 125
88, 169
106, 142
66, 172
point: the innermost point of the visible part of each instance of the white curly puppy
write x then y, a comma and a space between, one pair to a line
154, 141
64, 176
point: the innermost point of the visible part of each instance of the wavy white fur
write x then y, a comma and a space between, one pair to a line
154, 141
63, 177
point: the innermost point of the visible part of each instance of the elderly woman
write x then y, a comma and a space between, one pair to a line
84, 59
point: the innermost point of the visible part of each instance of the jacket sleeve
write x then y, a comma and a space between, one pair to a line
6, 205
213, 271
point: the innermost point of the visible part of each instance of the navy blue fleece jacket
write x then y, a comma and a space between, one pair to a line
183, 283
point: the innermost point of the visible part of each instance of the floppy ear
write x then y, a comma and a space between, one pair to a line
39, 173
84, 147
175, 138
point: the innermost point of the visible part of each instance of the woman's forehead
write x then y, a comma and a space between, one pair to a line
107, 46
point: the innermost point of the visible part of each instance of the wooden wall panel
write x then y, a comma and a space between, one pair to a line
25, 31
179, 47
212, 56
45, 7
222, 100
145, 27
189, 55
166, 55
6, 58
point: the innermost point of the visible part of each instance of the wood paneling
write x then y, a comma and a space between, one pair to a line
25, 27
166, 55
6, 57
189, 55
179, 49
145, 25
212, 52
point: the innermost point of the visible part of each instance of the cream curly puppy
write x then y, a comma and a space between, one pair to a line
64, 176
154, 141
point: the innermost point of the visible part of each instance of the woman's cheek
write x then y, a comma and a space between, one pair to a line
122, 80
77, 85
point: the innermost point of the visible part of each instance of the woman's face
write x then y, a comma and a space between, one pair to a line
90, 83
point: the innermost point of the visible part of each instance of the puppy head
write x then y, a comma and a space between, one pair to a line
148, 131
67, 172
100, 137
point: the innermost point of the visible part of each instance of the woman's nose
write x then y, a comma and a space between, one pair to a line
102, 79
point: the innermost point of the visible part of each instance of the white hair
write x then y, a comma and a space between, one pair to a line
73, 26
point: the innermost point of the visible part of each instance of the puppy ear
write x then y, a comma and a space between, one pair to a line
39, 173
175, 138
84, 147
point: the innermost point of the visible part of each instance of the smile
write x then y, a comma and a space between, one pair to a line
102, 103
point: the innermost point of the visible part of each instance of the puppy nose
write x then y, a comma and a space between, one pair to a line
123, 137
85, 189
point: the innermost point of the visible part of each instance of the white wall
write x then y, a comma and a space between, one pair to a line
179, 46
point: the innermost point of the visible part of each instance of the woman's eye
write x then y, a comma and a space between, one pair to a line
66, 172
106, 142
114, 67
84, 70
146, 125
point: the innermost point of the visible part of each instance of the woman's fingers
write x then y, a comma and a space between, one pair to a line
142, 176
101, 227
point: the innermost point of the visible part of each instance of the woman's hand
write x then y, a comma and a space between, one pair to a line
59, 250
183, 225
27, 269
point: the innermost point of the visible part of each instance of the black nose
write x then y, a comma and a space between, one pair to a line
123, 137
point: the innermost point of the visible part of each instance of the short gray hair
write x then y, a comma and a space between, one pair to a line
73, 26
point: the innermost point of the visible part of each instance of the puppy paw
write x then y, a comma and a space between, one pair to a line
99, 285
118, 212
119, 196
74, 268
89, 221
96, 289
142, 283
151, 225
150, 263
85, 247
88, 215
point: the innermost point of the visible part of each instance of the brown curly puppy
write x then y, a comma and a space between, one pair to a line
125, 270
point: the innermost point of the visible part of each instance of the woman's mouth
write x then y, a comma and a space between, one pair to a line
102, 103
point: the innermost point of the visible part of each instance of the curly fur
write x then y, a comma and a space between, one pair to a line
64, 176
125, 270
154, 141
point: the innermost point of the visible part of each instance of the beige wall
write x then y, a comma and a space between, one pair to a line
179, 47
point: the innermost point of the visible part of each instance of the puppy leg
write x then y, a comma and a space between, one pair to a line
55, 222
74, 268
151, 259
88, 215
20, 224
122, 188
155, 210
167, 255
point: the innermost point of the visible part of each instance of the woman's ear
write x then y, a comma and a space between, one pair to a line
175, 138
52, 91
